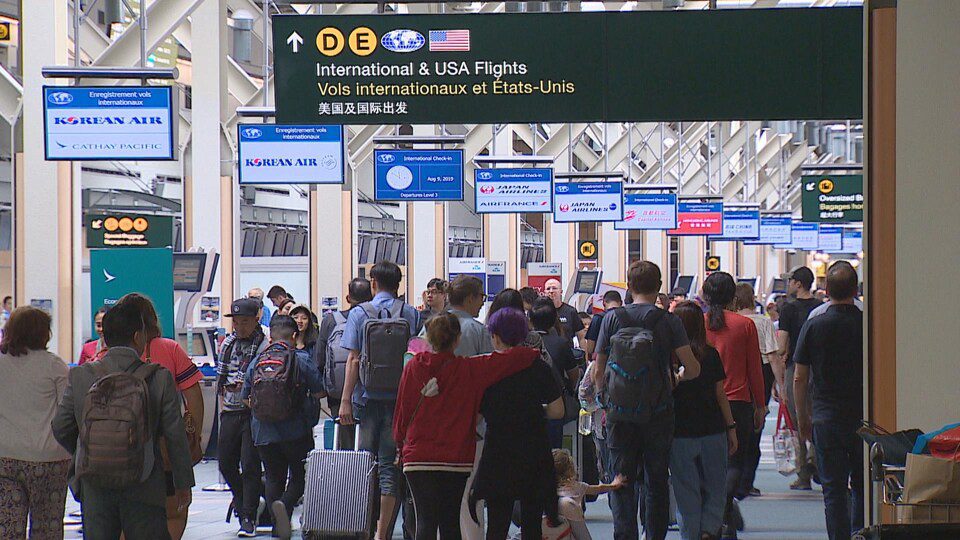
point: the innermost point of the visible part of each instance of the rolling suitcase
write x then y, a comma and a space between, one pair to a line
337, 502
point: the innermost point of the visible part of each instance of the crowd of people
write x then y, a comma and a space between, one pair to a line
469, 434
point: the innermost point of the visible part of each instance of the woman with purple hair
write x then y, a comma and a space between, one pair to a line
517, 463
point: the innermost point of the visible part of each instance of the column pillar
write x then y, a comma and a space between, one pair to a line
426, 240
44, 247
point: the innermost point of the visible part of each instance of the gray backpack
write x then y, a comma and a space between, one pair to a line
385, 337
335, 366
638, 380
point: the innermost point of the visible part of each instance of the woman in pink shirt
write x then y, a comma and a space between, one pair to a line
94, 346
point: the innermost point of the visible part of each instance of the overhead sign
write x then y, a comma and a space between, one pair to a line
831, 239
418, 175
496, 278
648, 211
91, 123
587, 201
740, 224
5, 32
274, 154
832, 199
852, 240
712, 264
522, 191
804, 236
699, 218
128, 231
587, 250
117, 272
471, 266
482, 69
775, 229
538, 274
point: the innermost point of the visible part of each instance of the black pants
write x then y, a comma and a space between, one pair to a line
753, 457
737, 463
437, 496
281, 461
641, 453
500, 512
107, 513
239, 462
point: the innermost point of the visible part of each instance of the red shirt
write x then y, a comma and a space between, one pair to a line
739, 348
89, 352
169, 354
442, 435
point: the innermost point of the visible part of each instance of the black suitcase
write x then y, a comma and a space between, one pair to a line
950, 531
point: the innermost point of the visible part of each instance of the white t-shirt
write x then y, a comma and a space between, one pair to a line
30, 392
767, 334
822, 308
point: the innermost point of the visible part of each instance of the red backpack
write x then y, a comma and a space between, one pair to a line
275, 394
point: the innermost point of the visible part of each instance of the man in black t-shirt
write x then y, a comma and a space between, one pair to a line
792, 316
830, 352
569, 317
611, 300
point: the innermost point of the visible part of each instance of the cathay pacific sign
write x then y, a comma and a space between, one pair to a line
275, 154
89, 123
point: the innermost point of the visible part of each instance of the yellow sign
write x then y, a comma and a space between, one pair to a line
588, 249
826, 186
363, 41
330, 41
713, 263
4, 32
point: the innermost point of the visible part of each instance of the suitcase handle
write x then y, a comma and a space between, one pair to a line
336, 435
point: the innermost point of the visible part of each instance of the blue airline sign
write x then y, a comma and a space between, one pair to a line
777, 229
418, 175
281, 154
648, 211
522, 191
588, 201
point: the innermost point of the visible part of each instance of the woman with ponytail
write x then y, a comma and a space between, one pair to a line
735, 338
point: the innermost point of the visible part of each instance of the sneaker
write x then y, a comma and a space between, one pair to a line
248, 529
801, 485
754, 492
281, 521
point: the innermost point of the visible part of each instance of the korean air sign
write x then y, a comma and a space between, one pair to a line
281, 154
90, 123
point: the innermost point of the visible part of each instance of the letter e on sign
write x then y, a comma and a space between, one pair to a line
363, 41
330, 41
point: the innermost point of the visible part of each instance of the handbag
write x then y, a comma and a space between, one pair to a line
895, 446
946, 445
786, 444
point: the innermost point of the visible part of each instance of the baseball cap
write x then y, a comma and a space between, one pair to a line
802, 274
245, 307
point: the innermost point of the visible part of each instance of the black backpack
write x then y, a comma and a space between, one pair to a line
638, 383
275, 394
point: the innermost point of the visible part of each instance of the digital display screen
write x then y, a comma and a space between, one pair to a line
779, 286
685, 283
188, 271
199, 345
587, 282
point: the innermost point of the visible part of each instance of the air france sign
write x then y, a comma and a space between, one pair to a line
275, 154
513, 190
647, 211
418, 175
109, 123
587, 201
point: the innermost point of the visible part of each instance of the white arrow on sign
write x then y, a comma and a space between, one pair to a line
295, 41
107, 276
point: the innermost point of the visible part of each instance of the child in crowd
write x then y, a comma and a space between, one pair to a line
572, 491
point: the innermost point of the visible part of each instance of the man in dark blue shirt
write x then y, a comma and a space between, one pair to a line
830, 349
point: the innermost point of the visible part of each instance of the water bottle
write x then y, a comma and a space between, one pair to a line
190, 340
585, 422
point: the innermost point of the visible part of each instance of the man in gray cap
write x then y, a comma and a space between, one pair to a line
236, 453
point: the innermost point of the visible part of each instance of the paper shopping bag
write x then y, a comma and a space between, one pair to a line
931, 480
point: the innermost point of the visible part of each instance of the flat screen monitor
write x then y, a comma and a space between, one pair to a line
199, 342
779, 286
188, 271
685, 283
588, 281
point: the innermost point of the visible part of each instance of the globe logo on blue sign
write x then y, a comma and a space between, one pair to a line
252, 133
485, 175
613, 206
562, 189
402, 41
60, 98
386, 158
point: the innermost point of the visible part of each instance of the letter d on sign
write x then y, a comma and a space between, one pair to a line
330, 41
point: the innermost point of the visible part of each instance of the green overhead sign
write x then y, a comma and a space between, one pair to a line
117, 272
762, 64
832, 199
128, 231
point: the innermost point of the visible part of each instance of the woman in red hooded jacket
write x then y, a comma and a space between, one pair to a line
435, 421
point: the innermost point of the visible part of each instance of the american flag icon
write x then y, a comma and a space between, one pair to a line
449, 40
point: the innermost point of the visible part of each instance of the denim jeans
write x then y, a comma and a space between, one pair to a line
840, 456
376, 436
641, 450
698, 473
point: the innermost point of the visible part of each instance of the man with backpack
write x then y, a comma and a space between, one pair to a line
236, 454
278, 389
376, 335
634, 374
331, 358
125, 406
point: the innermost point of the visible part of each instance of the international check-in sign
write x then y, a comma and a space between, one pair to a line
513, 190
831, 239
275, 154
89, 123
587, 201
774, 230
699, 219
740, 224
852, 240
647, 211
564, 67
805, 236
418, 175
